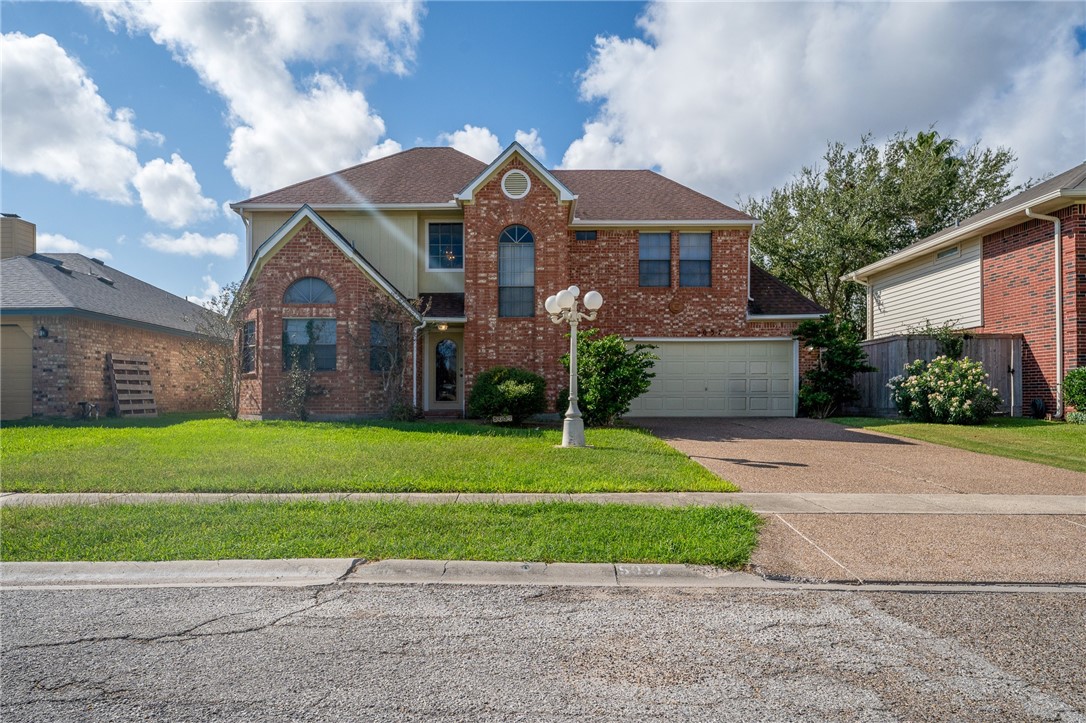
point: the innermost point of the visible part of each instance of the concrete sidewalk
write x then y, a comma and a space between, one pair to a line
762, 502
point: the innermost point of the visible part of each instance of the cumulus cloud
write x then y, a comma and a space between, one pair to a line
774, 82
193, 244
56, 243
58, 126
170, 192
210, 290
477, 142
532, 143
283, 132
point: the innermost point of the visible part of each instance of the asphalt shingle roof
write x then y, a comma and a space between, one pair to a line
37, 284
769, 296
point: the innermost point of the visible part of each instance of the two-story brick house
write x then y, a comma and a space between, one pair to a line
446, 261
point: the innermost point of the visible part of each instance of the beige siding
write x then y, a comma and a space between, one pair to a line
17, 237
16, 348
388, 240
436, 282
926, 290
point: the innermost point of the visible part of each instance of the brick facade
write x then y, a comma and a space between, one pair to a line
351, 390
69, 366
1017, 269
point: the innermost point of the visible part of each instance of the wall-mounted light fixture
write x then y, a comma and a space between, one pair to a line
442, 327
43, 333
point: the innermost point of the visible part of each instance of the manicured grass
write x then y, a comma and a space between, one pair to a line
1051, 443
548, 532
192, 454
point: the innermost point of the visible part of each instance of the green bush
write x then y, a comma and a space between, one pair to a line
507, 392
829, 385
1075, 417
1074, 388
945, 390
609, 376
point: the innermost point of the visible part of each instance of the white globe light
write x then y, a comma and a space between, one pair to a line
551, 305
593, 300
575, 291
565, 299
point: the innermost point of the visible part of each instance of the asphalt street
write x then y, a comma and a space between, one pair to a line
344, 652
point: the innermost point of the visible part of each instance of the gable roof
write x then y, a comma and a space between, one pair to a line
769, 296
564, 194
1070, 184
40, 284
437, 177
268, 249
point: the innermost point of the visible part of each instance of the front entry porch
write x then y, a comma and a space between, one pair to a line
443, 387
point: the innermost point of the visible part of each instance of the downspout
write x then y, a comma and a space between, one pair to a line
415, 365
1058, 248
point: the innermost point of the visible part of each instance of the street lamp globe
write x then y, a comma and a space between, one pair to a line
593, 300
565, 299
551, 305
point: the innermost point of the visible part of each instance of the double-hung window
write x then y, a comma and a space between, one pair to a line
655, 259
516, 272
309, 343
384, 346
695, 255
248, 347
446, 246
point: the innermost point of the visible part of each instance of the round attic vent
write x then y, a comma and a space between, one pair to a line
516, 184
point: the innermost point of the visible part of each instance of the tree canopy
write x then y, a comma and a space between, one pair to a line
866, 202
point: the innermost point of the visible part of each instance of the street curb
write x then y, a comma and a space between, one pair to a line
348, 571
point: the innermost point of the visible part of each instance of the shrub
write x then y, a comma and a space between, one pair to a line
1075, 417
829, 385
507, 392
1074, 388
609, 376
945, 390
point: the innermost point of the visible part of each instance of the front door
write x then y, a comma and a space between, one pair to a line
446, 370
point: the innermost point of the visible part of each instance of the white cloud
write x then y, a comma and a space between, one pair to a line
57, 125
193, 244
170, 192
282, 132
475, 141
385, 148
211, 289
733, 98
56, 243
532, 143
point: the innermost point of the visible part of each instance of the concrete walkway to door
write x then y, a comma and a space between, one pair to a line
830, 461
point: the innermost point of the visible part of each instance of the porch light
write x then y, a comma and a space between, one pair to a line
563, 307
442, 327
43, 333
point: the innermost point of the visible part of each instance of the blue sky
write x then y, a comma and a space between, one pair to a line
127, 127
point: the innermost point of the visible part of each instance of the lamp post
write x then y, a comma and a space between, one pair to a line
563, 307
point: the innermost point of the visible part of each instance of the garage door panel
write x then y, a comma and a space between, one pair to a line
725, 378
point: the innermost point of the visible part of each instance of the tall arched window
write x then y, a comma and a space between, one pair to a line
309, 290
516, 272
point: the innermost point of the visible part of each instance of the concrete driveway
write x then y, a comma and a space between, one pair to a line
810, 455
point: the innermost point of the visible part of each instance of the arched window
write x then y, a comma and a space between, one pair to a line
516, 272
309, 290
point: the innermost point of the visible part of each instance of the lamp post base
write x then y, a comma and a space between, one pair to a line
573, 432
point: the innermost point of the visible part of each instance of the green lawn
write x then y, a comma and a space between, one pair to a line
1051, 443
549, 532
181, 453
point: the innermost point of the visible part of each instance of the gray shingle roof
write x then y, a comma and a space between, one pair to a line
36, 284
769, 296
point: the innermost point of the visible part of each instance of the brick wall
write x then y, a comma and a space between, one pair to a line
70, 365
1017, 267
351, 390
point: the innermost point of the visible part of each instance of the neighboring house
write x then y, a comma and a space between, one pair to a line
995, 273
431, 255
61, 314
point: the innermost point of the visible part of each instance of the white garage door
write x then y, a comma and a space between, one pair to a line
721, 379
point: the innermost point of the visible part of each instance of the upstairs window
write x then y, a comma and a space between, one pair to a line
655, 259
248, 347
309, 290
384, 346
695, 255
446, 246
516, 272
311, 343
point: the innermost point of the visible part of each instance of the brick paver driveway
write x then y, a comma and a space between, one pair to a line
809, 455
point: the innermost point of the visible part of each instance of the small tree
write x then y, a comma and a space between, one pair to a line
221, 356
1074, 394
382, 347
298, 386
950, 339
610, 375
840, 357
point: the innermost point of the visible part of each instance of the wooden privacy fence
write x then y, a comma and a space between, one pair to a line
1001, 355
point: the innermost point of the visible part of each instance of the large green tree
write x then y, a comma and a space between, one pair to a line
865, 202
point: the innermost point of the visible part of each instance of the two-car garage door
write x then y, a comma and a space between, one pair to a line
714, 378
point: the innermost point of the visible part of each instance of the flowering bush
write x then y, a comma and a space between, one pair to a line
945, 390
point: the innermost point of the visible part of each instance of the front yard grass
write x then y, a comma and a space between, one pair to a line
1051, 443
186, 453
548, 532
